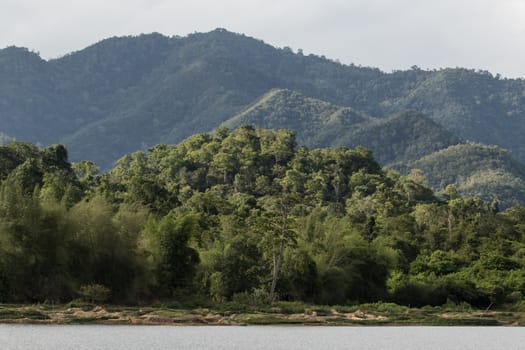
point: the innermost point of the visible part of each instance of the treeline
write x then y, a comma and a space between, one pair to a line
247, 216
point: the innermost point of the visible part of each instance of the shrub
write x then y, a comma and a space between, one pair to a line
94, 293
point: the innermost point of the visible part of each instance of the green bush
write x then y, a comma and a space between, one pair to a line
94, 293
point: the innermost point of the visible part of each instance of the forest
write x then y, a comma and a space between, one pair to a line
248, 216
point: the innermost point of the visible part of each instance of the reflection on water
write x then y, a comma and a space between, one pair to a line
80, 337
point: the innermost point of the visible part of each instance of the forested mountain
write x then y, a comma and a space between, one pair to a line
401, 137
129, 93
474, 105
396, 139
251, 217
316, 122
404, 141
476, 170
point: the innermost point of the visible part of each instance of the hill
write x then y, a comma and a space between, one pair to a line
316, 122
397, 139
130, 93
403, 141
476, 170
400, 138
474, 105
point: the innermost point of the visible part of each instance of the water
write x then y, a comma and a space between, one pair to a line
94, 337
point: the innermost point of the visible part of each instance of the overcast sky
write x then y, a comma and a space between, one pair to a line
389, 34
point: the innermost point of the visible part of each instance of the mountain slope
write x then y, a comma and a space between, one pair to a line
130, 93
474, 105
399, 138
403, 141
316, 122
28, 104
476, 170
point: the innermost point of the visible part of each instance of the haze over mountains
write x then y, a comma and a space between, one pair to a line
130, 93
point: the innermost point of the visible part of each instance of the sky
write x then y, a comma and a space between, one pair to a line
388, 34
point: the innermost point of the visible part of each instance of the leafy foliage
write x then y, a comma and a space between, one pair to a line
247, 216
94, 293
476, 170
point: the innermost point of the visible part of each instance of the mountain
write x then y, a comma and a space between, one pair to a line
476, 170
29, 108
127, 93
474, 105
316, 122
399, 138
403, 141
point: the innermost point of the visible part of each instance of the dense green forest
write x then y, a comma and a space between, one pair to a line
248, 216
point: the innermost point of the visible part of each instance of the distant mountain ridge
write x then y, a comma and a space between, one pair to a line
129, 93
476, 170
399, 138
313, 119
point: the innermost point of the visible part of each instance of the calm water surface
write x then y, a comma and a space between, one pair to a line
92, 337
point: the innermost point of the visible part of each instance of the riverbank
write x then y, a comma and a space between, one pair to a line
285, 313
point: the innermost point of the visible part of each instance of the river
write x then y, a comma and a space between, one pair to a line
95, 337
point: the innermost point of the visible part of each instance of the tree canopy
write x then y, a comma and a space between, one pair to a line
247, 215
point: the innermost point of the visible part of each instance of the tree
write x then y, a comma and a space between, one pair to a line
241, 266
34, 246
86, 172
103, 250
174, 262
278, 227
